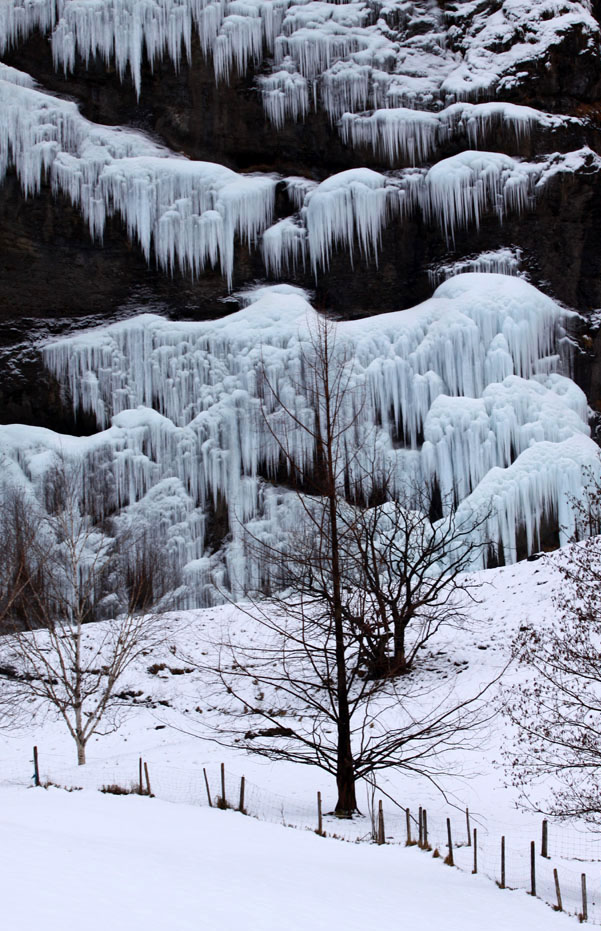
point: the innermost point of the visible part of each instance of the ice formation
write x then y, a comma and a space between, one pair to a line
188, 213
414, 135
350, 209
504, 261
354, 54
465, 389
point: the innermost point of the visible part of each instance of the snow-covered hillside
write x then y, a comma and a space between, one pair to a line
75, 860
173, 722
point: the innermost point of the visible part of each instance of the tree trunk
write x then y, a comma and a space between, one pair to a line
81, 753
399, 660
346, 804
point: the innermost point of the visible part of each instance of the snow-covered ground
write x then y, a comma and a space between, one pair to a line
92, 861
126, 842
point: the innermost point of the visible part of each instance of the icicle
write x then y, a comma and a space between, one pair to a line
348, 207
285, 95
188, 213
460, 188
284, 247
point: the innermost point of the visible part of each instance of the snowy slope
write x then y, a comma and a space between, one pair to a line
170, 707
82, 860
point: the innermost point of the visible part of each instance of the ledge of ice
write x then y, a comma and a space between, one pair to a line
188, 213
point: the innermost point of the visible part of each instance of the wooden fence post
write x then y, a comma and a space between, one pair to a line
503, 862
36, 768
420, 829
425, 828
408, 823
207, 785
559, 906
532, 868
141, 783
449, 858
475, 869
319, 816
544, 847
467, 824
242, 785
381, 833
584, 913
147, 779
223, 797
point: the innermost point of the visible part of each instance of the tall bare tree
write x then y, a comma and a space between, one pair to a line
321, 665
59, 572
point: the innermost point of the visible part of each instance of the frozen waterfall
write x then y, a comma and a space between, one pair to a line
466, 392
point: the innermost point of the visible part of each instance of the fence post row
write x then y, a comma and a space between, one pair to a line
472, 835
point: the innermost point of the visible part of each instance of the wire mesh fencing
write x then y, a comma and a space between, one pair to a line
562, 866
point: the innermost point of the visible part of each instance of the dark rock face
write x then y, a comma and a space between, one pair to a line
54, 277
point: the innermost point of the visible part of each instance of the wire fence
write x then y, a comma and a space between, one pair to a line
550, 866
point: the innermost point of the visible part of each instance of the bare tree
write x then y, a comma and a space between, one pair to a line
61, 570
347, 582
557, 710
412, 573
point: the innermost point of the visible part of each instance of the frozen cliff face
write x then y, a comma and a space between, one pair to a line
466, 396
464, 393
188, 214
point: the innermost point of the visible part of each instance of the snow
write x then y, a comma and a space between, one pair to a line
83, 859
270, 873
